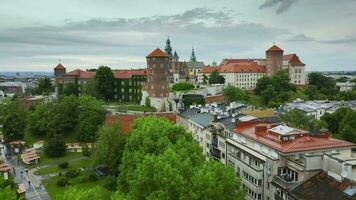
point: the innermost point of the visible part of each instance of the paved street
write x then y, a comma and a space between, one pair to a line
35, 190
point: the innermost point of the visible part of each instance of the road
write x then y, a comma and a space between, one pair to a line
35, 190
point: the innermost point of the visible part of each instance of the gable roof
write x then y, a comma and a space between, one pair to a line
119, 74
293, 59
274, 48
157, 53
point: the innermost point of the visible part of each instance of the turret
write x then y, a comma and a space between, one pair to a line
175, 57
158, 65
168, 48
193, 58
274, 60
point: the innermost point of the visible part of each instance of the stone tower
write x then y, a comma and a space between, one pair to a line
274, 60
59, 72
158, 65
175, 57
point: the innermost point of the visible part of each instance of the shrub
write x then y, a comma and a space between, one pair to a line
63, 165
93, 177
86, 151
182, 86
72, 173
62, 182
110, 183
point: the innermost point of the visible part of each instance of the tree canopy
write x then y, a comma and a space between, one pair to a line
216, 78
44, 86
162, 161
232, 93
105, 82
182, 86
109, 147
13, 120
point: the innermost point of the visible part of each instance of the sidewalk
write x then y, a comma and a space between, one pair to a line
35, 190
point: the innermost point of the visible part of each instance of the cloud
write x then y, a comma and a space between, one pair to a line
282, 5
344, 40
301, 38
214, 33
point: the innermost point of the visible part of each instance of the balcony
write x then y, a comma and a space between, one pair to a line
215, 153
285, 182
296, 164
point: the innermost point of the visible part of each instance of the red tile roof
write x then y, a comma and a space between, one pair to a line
59, 67
216, 99
119, 74
293, 59
126, 120
274, 48
306, 142
228, 61
239, 67
157, 53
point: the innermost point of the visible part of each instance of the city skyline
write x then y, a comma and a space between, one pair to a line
86, 34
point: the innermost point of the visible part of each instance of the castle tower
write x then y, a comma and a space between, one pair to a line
274, 60
59, 72
193, 58
168, 48
158, 65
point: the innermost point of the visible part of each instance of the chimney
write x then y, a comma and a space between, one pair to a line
261, 130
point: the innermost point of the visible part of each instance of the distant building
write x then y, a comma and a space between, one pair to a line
317, 108
127, 86
244, 73
346, 86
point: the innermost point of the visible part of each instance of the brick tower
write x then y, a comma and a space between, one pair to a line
158, 65
59, 72
274, 60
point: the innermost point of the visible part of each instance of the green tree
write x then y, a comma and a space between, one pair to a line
232, 93
109, 147
7, 189
262, 84
205, 183
323, 85
183, 86
44, 86
91, 117
148, 102
13, 126
333, 121
76, 193
347, 127
105, 82
205, 79
216, 78
55, 145
39, 120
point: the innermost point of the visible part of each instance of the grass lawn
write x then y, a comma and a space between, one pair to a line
54, 190
45, 160
84, 163
258, 112
140, 108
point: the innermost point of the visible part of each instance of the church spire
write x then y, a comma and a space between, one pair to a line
168, 48
193, 58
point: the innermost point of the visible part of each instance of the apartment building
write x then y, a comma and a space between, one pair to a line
273, 160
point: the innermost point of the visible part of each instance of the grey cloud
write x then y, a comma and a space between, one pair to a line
301, 38
345, 40
282, 5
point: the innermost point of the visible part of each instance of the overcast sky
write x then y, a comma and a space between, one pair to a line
35, 34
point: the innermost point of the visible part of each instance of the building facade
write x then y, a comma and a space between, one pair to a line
244, 73
272, 159
127, 84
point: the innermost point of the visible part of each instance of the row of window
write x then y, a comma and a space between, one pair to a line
253, 180
252, 194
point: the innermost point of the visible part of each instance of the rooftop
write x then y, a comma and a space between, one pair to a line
238, 67
321, 186
157, 53
119, 74
286, 139
274, 48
